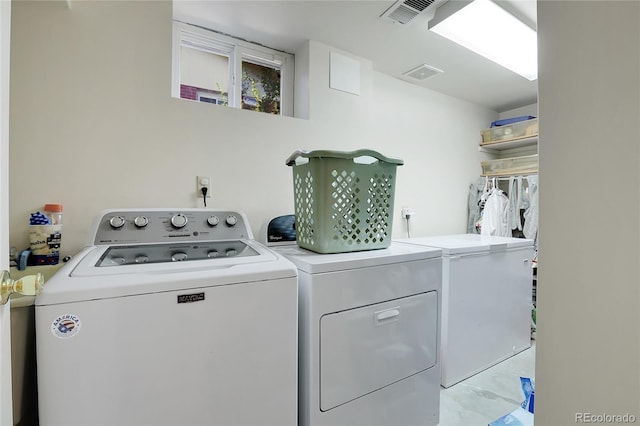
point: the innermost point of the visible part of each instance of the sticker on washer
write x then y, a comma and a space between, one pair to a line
65, 326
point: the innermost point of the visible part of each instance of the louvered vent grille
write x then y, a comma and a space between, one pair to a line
422, 72
418, 5
402, 14
404, 11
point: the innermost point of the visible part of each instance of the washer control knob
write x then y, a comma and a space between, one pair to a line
142, 259
213, 254
117, 222
232, 220
141, 221
118, 260
213, 220
231, 252
179, 220
179, 256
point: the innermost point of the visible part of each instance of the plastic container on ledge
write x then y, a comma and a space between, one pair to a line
45, 235
54, 212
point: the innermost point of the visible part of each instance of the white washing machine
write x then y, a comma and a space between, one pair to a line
369, 333
169, 317
486, 301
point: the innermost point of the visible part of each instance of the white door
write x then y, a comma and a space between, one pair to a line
6, 414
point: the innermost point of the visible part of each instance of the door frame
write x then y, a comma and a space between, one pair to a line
6, 397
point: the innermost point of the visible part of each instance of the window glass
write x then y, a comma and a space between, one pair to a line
260, 87
203, 72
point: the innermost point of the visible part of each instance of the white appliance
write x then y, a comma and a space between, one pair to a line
486, 301
369, 333
169, 317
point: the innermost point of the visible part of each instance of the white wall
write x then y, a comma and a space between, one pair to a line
588, 352
519, 112
93, 126
438, 137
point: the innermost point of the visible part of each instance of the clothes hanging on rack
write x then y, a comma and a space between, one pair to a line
518, 201
523, 198
476, 190
495, 218
514, 198
530, 228
522, 208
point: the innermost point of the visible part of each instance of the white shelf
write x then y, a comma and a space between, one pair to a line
496, 147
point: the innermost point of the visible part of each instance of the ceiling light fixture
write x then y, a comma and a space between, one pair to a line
487, 29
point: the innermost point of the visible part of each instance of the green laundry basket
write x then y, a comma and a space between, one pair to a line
343, 203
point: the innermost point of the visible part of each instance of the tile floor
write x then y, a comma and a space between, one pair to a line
487, 395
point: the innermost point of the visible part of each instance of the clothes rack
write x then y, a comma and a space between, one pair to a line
522, 208
504, 178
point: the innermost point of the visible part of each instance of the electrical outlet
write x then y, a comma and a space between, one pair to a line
203, 182
407, 213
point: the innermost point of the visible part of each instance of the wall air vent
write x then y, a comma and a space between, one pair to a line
403, 11
422, 72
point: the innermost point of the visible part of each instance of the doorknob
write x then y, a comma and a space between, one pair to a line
29, 285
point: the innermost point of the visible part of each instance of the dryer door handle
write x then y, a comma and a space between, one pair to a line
386, 316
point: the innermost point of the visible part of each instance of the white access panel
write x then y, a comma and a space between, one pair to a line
365, 349
227, 358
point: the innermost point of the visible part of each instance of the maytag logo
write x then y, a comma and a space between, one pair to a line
188, 298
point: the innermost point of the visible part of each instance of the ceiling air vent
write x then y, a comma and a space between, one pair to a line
422, 72
404, 11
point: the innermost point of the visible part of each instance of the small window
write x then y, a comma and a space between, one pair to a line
218, 69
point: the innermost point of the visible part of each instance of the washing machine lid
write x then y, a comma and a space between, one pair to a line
136, 254
314, 263
98, 272
450, 244
176, 257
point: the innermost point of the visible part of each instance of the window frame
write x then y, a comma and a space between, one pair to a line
237, 51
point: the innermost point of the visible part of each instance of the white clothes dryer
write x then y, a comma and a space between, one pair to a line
486, 300
169, 317
368, 333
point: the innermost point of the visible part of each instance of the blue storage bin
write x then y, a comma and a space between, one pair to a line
506, 121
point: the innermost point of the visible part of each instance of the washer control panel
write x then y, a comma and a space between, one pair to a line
139, 226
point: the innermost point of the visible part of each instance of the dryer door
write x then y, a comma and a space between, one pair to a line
367, 348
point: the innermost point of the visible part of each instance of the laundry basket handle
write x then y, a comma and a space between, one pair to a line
347, 155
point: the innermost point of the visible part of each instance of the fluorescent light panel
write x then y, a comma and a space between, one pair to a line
487, 29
